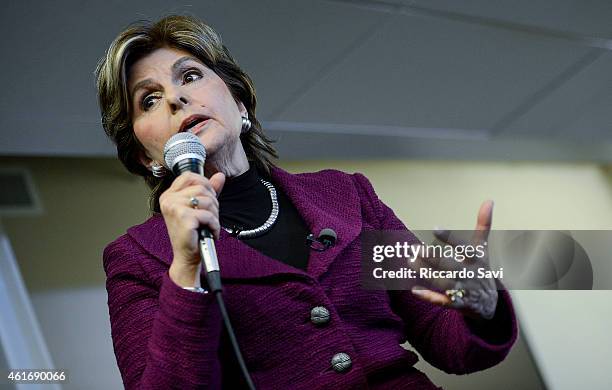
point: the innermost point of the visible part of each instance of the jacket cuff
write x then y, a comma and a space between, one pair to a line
187, 307
499, 333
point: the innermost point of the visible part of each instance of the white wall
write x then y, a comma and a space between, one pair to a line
76, 326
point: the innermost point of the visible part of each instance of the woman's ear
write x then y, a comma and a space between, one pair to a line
242, 109
145, 160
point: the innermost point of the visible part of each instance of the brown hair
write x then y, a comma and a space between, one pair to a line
199, 39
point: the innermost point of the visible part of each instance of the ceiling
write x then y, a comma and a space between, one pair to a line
435, 79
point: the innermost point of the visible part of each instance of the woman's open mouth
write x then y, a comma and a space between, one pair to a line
195, 129
194, 124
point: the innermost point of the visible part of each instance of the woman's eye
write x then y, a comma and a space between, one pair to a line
148, 102
191, 76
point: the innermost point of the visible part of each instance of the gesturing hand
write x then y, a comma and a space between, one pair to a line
474, 297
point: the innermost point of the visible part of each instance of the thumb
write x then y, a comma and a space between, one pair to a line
217, 181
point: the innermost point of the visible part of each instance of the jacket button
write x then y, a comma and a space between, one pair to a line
341, 362
319, 315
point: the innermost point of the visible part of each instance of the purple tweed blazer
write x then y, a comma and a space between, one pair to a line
165, 337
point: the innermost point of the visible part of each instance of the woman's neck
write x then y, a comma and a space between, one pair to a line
230, 164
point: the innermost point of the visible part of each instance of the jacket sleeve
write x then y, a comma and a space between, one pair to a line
164, 338
444, 337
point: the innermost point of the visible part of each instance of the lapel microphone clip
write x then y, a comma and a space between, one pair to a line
326, 239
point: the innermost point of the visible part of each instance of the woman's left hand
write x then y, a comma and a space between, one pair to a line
474, 297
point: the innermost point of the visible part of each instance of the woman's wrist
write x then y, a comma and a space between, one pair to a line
184, 275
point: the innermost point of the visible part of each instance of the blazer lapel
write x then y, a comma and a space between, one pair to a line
326, 199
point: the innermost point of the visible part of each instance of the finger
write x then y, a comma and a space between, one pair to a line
437, 264
430, 296
208, 219
198, 191
217, 182
183, 180
439, 283
448, 237
431, 276
430, 258
483, 223
189, 179
203, 203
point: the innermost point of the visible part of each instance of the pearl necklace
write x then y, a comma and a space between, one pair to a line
258, 231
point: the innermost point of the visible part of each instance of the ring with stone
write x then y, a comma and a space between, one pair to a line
194, 202
454, 294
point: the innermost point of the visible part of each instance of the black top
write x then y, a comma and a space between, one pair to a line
245, 203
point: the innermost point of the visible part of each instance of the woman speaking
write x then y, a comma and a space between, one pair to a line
301, 317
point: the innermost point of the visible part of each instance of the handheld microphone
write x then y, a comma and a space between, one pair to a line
185, 153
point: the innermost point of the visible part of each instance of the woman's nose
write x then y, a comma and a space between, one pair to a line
177, 102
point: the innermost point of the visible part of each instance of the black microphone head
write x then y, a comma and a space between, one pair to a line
328, 236
184, 152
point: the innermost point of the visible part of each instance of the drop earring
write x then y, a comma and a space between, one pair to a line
158, 170
246, 124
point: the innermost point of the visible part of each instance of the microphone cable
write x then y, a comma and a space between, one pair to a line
213, 279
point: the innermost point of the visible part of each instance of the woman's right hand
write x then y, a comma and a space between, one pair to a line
183, 220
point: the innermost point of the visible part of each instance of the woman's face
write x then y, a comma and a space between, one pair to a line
169, 86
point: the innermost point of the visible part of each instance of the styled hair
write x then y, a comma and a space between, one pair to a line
200, 40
